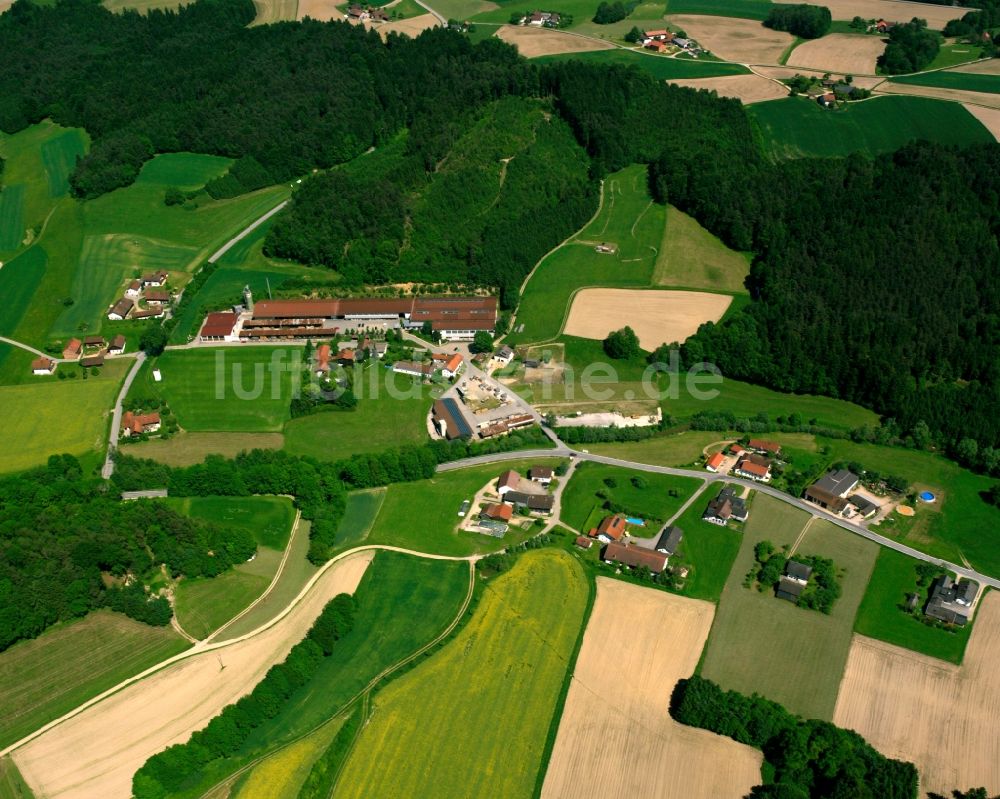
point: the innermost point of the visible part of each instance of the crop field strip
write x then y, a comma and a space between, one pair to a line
950, 79
657, 66
495, 688
753, 633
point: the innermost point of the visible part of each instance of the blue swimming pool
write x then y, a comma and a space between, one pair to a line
927, 496
635, 521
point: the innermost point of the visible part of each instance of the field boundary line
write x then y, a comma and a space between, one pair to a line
270, 587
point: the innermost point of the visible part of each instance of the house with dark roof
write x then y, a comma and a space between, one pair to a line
726, 507
539, 503
92, 360
157, 297
825, 499
611, 528
157, 279
794, 581
951, 601
540, 474
449, 419
669, 540
840, 482
134, 289
508, 481
117, 345
94, 341
121, 309
634, 556
864, 506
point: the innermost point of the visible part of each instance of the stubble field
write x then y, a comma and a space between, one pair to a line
616, 738
849, 53
533, 42
745, 88
744, 40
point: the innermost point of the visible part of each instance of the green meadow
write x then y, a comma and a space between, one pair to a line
747, 9
964, 81
659, 67
707, 550
798, 127
268, 519
691, 257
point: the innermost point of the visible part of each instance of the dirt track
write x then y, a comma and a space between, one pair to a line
839, 52
941, 717
745, 88
656, 316
96, 753
743, 40
534, 42
616, 739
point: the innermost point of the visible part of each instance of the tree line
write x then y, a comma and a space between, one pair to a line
177, 765
67, 548
811, 759
807, 21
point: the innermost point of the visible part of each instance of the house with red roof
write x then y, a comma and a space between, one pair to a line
135, 424
714, 462
762, 445
322, 360
452, 366
72, 349
43, 366
752, 470
497, 512
508, 481
611, 528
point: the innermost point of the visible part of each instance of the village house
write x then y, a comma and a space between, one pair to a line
726, 507
793, 581
133, 290
452, 366
882, 26
831, 490
91, 361
497, 512
670, 538
322, 360
657, 47
540, 19
135, 424
117, 345
148, 313
951, 601
155, 279
611, 528
661, 35
540, 474
121, 309
413, 369
377, 15
449, 420
583, 542
220, 326
72, 349
94, 341
635, 556
737, 450
864, 506
765, 447
157, 297
43, 366
753, 470
504, 356
715, 461
508, 481
827, 99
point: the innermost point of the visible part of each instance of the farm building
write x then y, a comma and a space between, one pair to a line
94, 341
72, 349
611, 528
831, 490
583, 542
628, 555
43, 366
825, 499
148, 313
497, 512
449, 420
669, 540
540, 474
539, 503
508, 481
951, 601
134, 424
726, 507
157, 297
793, 582
92, 360
753, 470
133, 290
220, 326
765, 447
155, 279
714, 462
121, 309
865, 507
657, 47
411, 368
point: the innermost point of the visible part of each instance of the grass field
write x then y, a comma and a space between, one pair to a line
495, 690
42, 679
951, 55
186, 171
581, 10
205, 604
691, 257
748, 649
965, 81
59, 156
358, 518
423, 515
707, 550
657, 66
269, 519
12, 784
797, 127
186, 449
657, 496
11, 216
628, 218
880, 616
224, 389
748, 9
679, 449
27, 439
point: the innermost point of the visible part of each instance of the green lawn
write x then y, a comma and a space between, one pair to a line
19, 280
956, 53
656, 497
269, 519
42, 679
11, 216
423, 515
205, 604
581, 10
881, 615
403, 602
763, 644
628, 218
358, 518
187, 449
658, 66
15, 367
224, 389
747, 9
797, 127
59, 156
691, 257
186, 171
965, 81
27, 439
495, 689
676, 449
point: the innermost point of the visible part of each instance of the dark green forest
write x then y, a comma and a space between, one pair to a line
911, 48
809, 22
61, 536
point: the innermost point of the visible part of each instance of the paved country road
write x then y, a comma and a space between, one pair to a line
245, 232
116, 420
29, 348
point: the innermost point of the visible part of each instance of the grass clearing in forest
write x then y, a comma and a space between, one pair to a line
799, 128
68, 664
657, 66
754, 632
268, 519
691, 257
495, 690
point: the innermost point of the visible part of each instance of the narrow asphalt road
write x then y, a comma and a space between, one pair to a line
245, 232
30, 349
116, 420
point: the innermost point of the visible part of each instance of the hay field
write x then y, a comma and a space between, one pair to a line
990, 117
692, 257
534, 42
939, 716
187, 449
986, 99
657, 317
321, 10
990, 67
896, 10
411, 26
472, 719
849, 53
745, 88
743, 40
269, 11
96, 752
616, 738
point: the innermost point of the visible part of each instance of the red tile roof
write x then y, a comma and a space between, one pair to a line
454, 362
42, 363
509, 479
767, 446
612, 527
716, 460
635, 556
501, 513
219, 324
750, 467
73, 347
323, 357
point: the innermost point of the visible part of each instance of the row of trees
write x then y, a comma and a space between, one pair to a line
811, 759
169, 770
66, 548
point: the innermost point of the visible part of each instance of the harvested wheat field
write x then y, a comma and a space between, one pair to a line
937, 16
413, 26
96, 752
616, 737
990, 117
534, 42
957, 95
990, 67
942, 718
745, 88
839, 52
656, 316
743, 40
320, 10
